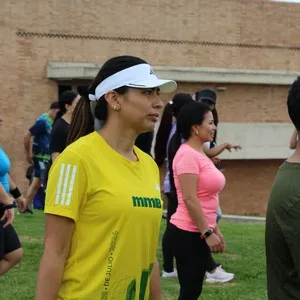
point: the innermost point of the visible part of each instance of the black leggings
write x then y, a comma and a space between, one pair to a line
192, 256
167, 247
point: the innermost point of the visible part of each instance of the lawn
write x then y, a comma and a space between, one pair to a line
244, 256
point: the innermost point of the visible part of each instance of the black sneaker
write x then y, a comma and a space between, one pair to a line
27, 211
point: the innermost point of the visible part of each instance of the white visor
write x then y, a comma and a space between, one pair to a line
139, 76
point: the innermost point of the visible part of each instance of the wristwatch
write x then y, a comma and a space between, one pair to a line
9, 206
206, 234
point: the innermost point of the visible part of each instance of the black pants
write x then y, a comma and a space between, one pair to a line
192, 256
167, 247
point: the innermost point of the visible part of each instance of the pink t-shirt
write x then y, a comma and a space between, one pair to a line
210, 182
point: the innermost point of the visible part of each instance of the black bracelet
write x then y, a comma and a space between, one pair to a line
9, 206
15, 193
206, 234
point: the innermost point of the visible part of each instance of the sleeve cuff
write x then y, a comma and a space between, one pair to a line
62, 213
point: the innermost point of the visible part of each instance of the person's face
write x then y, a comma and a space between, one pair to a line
139, 108
53, 113
210, 104
207, 129
70, 108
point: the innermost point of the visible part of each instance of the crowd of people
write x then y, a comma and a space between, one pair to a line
91, 156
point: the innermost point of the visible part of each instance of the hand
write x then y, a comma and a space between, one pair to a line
229, 146
216, 160
22, 203
214, 243
220, 235
29, 158
9, 215
236, 147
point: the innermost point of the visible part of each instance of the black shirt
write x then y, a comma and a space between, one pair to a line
59, 136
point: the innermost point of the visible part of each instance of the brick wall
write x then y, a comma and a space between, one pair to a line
248, 185
246, 103
213, 33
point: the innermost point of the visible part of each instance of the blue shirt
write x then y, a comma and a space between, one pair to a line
4, 170
41, 132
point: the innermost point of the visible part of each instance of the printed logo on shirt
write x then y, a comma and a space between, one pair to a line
146, 202
65, 184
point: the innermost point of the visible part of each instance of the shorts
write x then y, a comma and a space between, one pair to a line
9, 240
40, 168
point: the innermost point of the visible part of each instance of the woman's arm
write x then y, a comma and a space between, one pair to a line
188, 184
58, 236
17, 194
155, 289
27, 146
9, 214
4, 197
54, 155
294, 140
215, 151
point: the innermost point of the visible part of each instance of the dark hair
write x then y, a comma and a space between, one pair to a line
54, 105
83, 120
190, 115
293, 103
66, 97
206, 94
171, 109
216, 121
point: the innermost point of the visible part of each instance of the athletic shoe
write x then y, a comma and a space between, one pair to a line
219, 276
27, 211
170, 274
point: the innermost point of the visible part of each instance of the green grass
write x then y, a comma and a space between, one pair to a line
244, 256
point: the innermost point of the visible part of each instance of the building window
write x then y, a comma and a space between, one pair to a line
79, 88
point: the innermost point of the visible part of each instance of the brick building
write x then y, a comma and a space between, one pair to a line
247, 50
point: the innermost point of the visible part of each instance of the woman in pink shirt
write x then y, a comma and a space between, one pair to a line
198, 182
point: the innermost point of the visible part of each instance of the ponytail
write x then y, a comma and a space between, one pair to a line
175, 143
162, 136
82, 122
171, 110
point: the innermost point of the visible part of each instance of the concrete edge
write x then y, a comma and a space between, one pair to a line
75, 70
243, 219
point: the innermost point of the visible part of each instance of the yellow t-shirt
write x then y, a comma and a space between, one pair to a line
116, 206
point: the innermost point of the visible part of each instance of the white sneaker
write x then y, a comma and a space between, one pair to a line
170, 274
219, 276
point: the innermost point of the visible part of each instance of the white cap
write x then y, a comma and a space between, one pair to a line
140, 76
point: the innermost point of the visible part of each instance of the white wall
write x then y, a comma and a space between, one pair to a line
259, 140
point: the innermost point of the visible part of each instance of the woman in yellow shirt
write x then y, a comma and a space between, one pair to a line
103, 205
